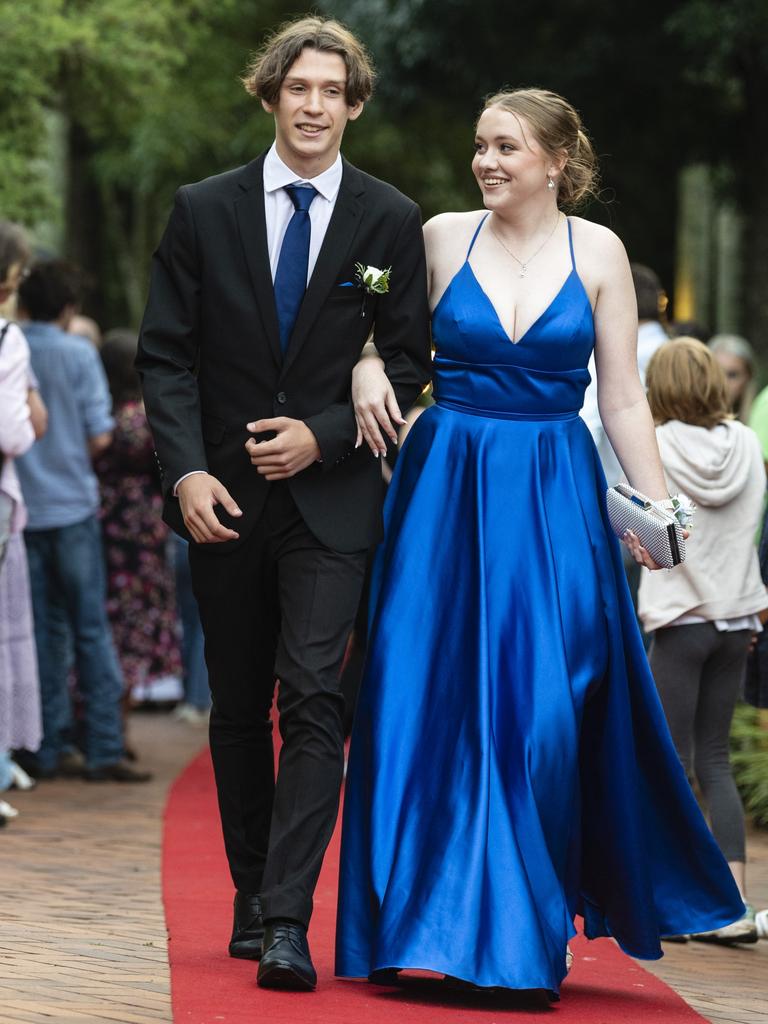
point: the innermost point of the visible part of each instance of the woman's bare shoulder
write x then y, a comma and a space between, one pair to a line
595, 238
448, 224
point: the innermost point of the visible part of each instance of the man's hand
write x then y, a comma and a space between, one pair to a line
294, 448
197, 495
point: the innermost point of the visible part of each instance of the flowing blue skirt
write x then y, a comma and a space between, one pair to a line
510, 765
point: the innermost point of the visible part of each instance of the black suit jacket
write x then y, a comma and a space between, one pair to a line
209, 350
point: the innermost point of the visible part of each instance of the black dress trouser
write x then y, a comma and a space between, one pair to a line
279, 606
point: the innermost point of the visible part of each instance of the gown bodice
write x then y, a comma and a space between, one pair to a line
478, 368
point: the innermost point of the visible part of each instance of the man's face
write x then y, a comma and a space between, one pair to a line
311, 112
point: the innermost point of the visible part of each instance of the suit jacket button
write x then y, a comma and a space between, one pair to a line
282, 398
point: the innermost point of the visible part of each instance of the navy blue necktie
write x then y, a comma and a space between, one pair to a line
291, 274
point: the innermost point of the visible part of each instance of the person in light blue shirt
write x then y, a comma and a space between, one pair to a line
63, 535
60, 486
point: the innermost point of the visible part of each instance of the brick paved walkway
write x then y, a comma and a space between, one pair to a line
82, 935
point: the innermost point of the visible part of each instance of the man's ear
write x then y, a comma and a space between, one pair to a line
268, 107
356, 111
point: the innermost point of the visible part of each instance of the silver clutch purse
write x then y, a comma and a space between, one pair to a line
657, 530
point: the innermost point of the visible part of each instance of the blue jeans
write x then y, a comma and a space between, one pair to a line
196, 689
68, 584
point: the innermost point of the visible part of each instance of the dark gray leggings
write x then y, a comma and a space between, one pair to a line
698, 672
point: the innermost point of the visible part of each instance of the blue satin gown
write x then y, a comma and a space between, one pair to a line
510, 764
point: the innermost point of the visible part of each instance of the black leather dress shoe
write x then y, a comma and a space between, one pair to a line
286, 963
247, 928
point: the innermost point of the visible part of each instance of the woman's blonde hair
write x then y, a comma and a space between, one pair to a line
559, 131
268, 66
685, 382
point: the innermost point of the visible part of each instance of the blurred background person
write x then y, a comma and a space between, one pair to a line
704, 613
23, 418
140, 588
689, 329
195, 706
756, 682
85, 327
737, 358
63, 534
651, 304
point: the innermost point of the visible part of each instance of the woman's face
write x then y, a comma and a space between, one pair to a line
509, 163
736, 375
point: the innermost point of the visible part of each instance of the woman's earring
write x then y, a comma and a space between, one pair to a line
550, 183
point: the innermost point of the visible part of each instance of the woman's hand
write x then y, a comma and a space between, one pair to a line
376, 408
639, 553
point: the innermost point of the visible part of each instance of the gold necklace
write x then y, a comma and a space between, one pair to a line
523, 264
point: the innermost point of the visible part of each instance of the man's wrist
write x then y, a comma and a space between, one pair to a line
192, 472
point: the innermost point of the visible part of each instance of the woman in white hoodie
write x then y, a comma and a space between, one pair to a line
703, 613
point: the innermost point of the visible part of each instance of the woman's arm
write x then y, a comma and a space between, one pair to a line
620, 394
621, 398
38, 413
373, 397
17, 433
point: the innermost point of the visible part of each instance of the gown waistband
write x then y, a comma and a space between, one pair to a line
499, 414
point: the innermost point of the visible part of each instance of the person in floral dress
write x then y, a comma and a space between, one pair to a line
140, 587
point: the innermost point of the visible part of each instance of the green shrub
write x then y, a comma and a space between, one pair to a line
749, 755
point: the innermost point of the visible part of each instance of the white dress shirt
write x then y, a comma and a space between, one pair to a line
279, 208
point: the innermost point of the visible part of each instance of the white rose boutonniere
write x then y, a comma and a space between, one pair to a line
372, 281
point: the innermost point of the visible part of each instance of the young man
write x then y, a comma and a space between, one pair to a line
251, 332
63, 533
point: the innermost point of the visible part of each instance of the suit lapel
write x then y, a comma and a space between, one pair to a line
346, 217
252, 225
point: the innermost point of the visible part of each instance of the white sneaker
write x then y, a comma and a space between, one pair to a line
190, 714
761, 923
6, 811
20, 779
743, 930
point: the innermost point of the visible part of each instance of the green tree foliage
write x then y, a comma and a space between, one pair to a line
149, 96
749, 754
147, 93
614, 62
31, 38
660, 84
725, 52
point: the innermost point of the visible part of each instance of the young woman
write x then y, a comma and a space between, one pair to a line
23, 418
704, 615
510, 764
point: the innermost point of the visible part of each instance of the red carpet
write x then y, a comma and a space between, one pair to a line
208, 987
